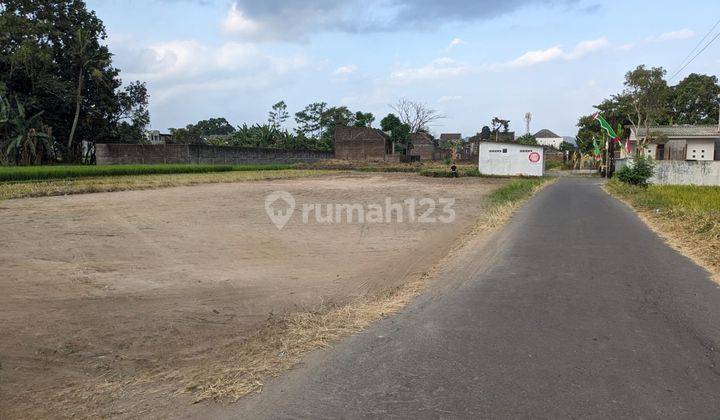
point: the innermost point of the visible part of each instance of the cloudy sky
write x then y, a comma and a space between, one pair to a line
469, 59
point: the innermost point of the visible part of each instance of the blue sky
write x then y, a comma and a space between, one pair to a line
470, 60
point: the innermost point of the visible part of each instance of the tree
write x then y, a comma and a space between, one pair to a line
54, 60
194, 133
648, 93
485, 133
566, 146
415, 114
89, 60
400, 133
497, 123
133, 116
527, 140
364, 119
27, 137
310, 120
278, 115
695, 100
389, 122
214, 127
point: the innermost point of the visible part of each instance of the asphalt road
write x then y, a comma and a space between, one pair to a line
575, 309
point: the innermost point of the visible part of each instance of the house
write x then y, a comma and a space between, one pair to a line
455, 138
156, 137
683, 154
510, 159
546, 137
423, 145
361, 143
679, 142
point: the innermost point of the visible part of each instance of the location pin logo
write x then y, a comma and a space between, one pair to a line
281, 216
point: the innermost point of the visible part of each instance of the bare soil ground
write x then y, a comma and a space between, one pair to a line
102, 292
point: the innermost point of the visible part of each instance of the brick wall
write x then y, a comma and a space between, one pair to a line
360, 143
117, 154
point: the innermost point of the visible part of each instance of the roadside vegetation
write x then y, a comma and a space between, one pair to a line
687, 216
140, 182
41, 173
285, 339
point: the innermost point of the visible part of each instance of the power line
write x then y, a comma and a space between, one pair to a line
675, 73
696, 55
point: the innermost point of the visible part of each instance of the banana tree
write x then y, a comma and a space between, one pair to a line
26, 135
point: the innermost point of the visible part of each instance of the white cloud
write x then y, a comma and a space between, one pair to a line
582, 49
183, 66
454, 43
442, 68
449, 99
625, 47
237, 23
345, 70
684, 33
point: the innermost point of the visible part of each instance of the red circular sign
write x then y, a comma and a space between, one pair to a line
534, 157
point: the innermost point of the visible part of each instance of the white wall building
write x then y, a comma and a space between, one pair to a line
546, 137
510, 159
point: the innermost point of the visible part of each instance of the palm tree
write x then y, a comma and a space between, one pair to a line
89, 61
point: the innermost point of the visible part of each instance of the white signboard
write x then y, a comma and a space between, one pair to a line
510, 159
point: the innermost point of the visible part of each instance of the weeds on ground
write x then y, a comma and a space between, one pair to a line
688, 216
48, 172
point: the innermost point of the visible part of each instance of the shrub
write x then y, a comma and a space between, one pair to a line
638, 172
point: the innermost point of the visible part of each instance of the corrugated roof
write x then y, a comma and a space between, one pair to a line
546, 134
682, 130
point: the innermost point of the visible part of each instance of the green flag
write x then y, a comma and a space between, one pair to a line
605, 126
597, 151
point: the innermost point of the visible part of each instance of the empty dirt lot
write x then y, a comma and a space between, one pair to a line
98, 289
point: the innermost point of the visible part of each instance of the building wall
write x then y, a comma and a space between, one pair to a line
360, 143
681, 172
703, 149
423, 146
550, 141
117, 154
678, 172
510, 159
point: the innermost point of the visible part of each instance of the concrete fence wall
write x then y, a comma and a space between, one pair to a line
117, 154
682, 172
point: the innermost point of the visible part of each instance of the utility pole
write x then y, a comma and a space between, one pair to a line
718, 112
528, 118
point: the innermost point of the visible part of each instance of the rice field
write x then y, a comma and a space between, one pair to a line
49, 172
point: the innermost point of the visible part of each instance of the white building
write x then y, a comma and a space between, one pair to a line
679, 142
683, 154
510, 159
546, 137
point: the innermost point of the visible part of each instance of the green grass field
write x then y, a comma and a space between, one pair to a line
42, 173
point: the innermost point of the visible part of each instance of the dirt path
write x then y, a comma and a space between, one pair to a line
100, 288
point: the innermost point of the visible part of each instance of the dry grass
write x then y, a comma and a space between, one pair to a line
274, 348
283, 341
140, 182
686, 217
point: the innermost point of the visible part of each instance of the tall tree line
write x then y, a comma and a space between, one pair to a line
57, 76
648, 100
